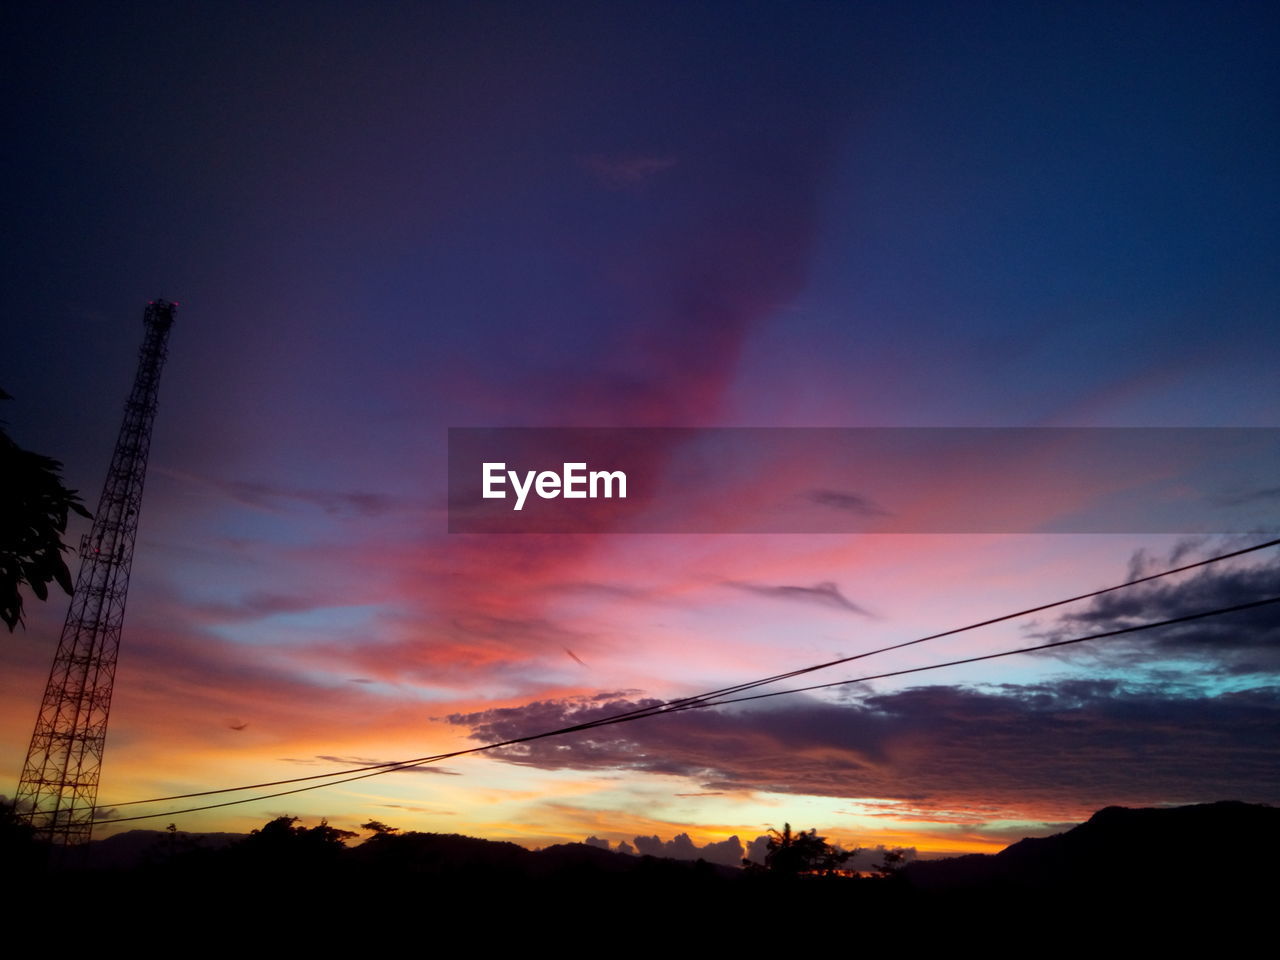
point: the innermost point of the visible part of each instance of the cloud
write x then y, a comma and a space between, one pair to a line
1237, 644
611, 591
681, 847
850, 502
1053, 751
335, 503
758, 849
551, 714
184, 682
371, 762
728, 245
626, 170
259, 605
460, 650
1251, 496
266, 496
537, 631
824, 594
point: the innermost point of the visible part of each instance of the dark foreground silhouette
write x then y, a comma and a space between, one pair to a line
1219, 860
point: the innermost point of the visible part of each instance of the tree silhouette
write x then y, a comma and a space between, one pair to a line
804, 853
281, 838
893, 859
33, 516
16, 835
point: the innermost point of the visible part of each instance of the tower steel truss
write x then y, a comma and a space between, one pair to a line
59, 784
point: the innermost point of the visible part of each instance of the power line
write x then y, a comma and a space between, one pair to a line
637, 715
992, 656
665, 706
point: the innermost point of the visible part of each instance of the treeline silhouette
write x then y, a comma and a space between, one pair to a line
1220, 857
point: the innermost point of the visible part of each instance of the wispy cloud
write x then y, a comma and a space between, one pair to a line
371, 762
1251, 496
849, 502
276, 498
260, 604
825, 594
626, 169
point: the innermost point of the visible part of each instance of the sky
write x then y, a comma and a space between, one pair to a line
386, 220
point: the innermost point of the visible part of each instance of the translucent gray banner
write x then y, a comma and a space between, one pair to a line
864, 480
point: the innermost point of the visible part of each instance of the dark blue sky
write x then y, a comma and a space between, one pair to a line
987, 214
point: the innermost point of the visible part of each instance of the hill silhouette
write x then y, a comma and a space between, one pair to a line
1223, 849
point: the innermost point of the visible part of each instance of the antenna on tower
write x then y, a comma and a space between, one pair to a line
59, 785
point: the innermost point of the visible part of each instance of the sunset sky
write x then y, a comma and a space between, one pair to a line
384, 220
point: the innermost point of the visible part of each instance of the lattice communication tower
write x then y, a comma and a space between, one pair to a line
59, 785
